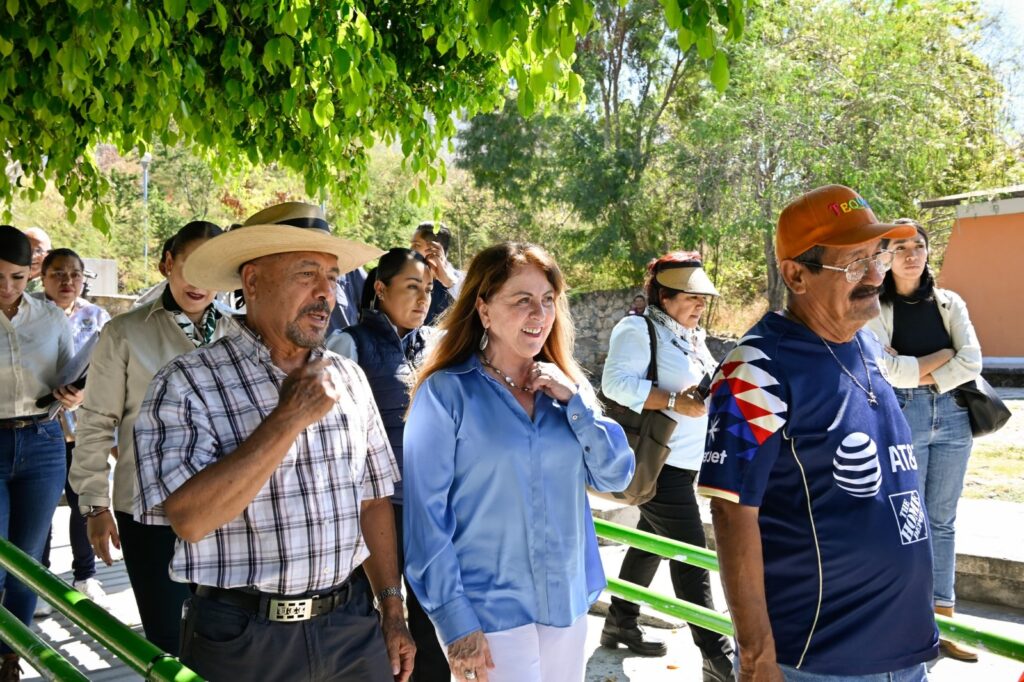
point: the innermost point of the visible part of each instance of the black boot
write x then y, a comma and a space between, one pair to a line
718, 669
613, 635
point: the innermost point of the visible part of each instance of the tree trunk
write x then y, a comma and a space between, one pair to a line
776, 292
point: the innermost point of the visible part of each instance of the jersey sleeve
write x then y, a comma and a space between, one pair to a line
746, 417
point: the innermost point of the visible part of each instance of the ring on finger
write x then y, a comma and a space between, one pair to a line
469, 674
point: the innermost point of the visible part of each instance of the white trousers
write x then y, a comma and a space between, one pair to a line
539, 653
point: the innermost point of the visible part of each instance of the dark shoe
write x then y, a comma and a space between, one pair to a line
612, 636
10, 671
718, 669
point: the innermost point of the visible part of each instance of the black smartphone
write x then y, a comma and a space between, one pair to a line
704, 387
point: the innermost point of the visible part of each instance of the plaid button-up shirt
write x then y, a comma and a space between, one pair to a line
301, 533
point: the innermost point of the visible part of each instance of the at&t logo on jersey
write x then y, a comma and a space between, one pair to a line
855, 467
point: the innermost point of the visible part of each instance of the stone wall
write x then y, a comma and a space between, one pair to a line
596, 313
115, 305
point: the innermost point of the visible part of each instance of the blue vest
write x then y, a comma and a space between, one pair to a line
388, 363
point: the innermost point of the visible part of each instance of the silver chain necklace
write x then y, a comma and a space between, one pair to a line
506, 378
869, 391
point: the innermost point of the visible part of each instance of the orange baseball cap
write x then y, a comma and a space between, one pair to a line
832, 215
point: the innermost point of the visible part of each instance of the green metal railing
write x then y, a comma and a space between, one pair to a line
712, 620
38, 653
144, 657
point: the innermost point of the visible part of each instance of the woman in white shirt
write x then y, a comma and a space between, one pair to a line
677, 289
63, 275
35, 344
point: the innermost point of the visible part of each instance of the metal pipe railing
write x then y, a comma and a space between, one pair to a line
139, 653
712, 620
35, 651
683, 552
684, 610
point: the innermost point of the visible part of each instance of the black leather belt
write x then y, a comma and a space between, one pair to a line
276, 607
22, 422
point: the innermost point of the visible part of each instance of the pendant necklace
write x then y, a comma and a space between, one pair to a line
869, 391
504, 377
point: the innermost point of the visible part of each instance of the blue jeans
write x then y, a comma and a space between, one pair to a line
942, 446
32, 472
915, 673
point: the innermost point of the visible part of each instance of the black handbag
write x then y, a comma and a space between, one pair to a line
648, 434
987, 411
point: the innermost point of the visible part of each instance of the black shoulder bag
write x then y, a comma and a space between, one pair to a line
648, 434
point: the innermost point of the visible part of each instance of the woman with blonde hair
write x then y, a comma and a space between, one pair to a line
503, 436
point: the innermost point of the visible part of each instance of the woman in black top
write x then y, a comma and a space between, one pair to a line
932, 349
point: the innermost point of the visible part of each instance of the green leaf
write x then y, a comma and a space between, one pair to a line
289, 24
685, 37
720, 71
706, 45
175, 8
552, 67
673, 15
323, 112
428, 32
443, 44
567, 44
460, 49
12, 7
6, 47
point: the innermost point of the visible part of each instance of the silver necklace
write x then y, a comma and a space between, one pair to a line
506, 378
869, 391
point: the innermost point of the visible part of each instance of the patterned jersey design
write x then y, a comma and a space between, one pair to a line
746, 398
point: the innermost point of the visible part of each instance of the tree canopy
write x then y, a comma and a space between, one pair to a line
309, 85
889, 98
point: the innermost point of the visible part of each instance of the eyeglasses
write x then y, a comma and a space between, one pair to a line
856, 270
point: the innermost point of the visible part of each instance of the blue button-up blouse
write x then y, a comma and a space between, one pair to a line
498, 531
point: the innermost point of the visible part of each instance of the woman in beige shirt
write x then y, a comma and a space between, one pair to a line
132, 348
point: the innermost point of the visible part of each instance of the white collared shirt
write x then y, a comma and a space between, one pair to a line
679, 367
34, 346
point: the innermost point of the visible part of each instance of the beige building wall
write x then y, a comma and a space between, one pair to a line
984, 263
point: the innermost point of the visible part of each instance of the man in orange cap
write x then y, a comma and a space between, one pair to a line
822, 535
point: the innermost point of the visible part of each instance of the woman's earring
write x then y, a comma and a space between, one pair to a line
373, 303
484, 340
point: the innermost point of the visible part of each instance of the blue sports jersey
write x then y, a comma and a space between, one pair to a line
847, 558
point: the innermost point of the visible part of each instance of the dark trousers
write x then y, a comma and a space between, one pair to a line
672, 513
83, 561
431, 664
222, 642
147, 556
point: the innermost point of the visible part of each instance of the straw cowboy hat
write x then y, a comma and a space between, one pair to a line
284, 228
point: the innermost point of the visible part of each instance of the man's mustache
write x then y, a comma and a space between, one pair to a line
319, 307
865, 292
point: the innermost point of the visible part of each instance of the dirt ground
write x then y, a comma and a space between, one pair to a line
996, 469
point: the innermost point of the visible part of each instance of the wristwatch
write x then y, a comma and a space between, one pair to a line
388, 593
91, 510
672, 400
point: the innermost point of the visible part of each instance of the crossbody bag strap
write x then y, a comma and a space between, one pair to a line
652, 368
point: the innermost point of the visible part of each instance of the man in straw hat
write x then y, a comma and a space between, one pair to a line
822, 535
266, 454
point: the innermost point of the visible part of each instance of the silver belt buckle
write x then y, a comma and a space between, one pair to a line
288, 610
